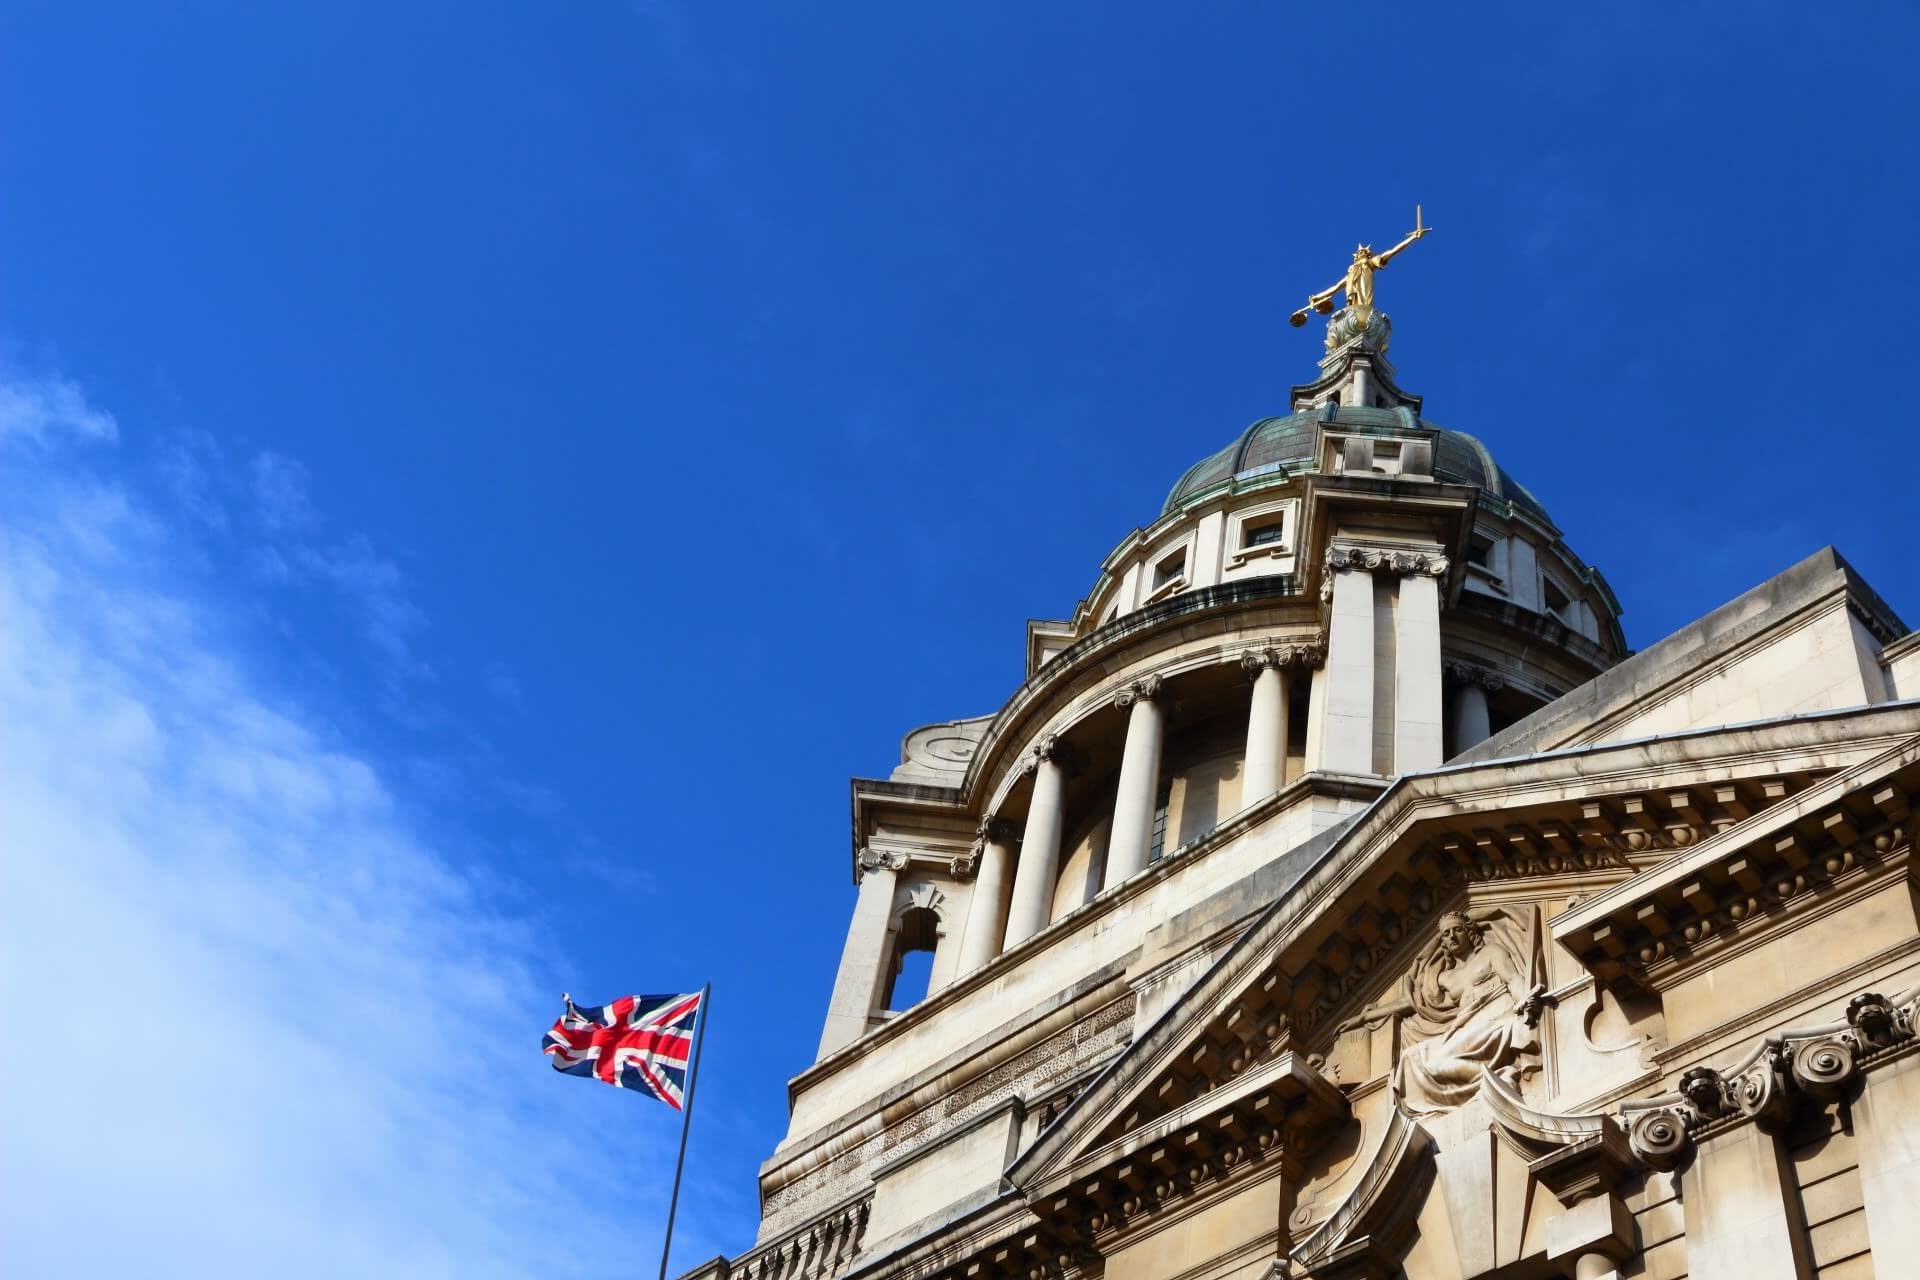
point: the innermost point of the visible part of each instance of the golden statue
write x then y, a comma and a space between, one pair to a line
1358, 282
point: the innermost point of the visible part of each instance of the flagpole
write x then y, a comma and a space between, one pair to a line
686, 1122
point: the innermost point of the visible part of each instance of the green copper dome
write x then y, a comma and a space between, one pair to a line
1287, 444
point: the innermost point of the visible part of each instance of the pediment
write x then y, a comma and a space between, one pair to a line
1837, 831
1242, 1052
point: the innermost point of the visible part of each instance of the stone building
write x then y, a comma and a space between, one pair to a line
1339, 897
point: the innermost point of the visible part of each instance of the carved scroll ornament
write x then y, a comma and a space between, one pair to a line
1344, 559
877, 860
1824, 1063
1145, 689
1303, 653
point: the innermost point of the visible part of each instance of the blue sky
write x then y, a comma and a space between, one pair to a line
478, 478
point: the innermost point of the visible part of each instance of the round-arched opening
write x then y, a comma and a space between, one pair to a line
911, 969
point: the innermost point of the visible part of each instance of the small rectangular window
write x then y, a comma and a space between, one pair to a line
1558, 602
1480, 551
1266, 535
1174, 566
1160, 808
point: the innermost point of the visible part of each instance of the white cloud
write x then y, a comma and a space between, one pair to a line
280, 490
503, 685
263, 1016
376, 588
37, 408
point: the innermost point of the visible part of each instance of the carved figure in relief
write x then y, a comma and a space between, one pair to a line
1470, 1003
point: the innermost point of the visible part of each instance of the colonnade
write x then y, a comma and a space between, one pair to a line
1378, 710
1375, 709
1013, 896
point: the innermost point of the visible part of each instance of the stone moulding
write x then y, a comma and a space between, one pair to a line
1068, 1042
1307, 654
1396, 561
1475, 674
1844, 829
819, 1250
1363, 1236
1824, 1063
1222, 606
1087, 1200
1282, 1103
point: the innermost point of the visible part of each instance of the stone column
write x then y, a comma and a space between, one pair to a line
1595, 1266
1266, 760
1346, 744
987, 917
856, 988
1417, 739
1886, 1120
1472, 724
1039, 866
1737, 1196
1265, 769
1133, 806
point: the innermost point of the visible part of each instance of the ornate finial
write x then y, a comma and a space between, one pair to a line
1357, 320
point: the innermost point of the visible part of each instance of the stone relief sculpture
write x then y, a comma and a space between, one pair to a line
1471, 1002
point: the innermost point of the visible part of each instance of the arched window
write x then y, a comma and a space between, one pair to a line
911, 968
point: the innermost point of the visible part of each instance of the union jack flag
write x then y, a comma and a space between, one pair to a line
637, 1042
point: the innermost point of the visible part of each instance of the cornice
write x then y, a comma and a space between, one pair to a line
1474, 673
1316, 946
1170, 864
1537, 625
1209, 603
819, 1248
1264, 1088
1085, 999
1838, 831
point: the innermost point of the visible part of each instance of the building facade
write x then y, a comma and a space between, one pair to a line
1338, 897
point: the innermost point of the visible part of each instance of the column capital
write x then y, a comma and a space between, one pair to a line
1145, 689
1049, 747
1288, 653
960, 866
994, 829
1472, 673
1346, 557
1053, 748
876, 860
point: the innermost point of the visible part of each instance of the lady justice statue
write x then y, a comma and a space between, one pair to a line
1471, 1003
1358, 282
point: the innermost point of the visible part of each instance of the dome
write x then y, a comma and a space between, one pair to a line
1287, 443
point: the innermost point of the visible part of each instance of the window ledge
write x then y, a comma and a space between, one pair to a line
1244, 554
1165, 589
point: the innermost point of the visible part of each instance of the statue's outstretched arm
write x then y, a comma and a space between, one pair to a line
1326, 294
1375, 1014
1381, 259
